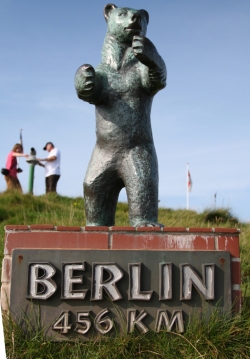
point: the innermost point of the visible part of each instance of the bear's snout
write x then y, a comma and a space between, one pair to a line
136, 18
135, 22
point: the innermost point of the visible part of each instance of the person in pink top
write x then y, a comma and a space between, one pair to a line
11, 164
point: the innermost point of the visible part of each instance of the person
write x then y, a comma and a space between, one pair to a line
11, 164
52, 167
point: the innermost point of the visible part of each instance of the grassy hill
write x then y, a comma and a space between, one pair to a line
222, 337
17, 208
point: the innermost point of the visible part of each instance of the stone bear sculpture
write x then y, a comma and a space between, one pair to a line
122, 88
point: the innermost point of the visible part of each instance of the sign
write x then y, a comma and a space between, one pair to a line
94, 292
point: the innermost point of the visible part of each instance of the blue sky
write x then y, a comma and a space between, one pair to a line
202, 117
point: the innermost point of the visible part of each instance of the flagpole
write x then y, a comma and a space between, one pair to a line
187, 180
21, 143
21, 137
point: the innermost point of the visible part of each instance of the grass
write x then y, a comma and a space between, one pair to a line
222, 337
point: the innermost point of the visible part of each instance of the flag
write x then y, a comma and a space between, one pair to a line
190, 183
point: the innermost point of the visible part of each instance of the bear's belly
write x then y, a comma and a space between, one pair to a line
124, 122
125, 81
123, 118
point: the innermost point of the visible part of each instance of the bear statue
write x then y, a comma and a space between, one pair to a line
122, 88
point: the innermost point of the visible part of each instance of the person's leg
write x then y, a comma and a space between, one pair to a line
53, 183
16, 184
8, 182
13, 183
47, 184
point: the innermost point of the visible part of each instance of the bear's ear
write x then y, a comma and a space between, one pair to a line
145, 13
108, 8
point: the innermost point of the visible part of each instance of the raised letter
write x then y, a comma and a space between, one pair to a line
135, 292
163, 319
98, 282
165, 285
68, 280
133, 321
189, 278
41, 286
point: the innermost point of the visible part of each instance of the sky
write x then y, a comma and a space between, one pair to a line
200, 118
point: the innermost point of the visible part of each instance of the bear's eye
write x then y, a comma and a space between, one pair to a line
122, 13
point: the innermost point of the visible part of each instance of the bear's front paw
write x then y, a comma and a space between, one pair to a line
144, 51
85, 82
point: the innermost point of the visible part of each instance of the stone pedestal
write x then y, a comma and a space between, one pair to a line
23, 241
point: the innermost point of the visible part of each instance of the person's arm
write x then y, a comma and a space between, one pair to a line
40, 164
16, 154
49, 159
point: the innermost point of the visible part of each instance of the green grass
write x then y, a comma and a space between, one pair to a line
222, 337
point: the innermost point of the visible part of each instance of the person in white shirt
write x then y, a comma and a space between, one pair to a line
52, 167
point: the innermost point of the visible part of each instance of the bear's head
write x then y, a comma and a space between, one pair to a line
124, 23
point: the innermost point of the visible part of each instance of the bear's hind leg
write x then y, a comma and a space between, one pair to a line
140, 174
101, 189
100, 201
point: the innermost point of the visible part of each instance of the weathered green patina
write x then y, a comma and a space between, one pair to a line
122, 88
